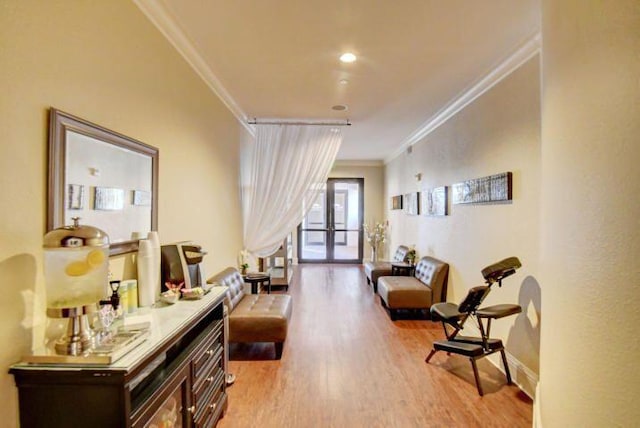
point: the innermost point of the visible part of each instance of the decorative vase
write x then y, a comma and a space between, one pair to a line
374, 254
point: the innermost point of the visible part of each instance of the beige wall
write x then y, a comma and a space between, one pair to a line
590, 241
373, 190
104, 62
498, 132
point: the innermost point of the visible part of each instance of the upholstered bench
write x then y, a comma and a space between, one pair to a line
418, 292
374, 270
254, 317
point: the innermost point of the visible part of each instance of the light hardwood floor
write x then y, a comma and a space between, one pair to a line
346, 364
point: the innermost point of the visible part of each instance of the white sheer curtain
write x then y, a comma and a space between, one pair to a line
282, 172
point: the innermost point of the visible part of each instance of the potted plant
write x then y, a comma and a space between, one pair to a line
243, 268
411, 256
243, 260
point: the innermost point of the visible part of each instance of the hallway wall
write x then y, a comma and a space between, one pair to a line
590, 239
105, 62
498, 132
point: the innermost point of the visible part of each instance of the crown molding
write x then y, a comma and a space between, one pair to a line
166, 23
514, 61
357, 163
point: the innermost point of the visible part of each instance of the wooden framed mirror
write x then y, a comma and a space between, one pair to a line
107, 179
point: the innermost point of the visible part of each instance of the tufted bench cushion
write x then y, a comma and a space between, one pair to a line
426, 287
404, 292
260, 318
254, 317
374, 270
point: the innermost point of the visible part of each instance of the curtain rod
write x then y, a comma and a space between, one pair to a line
255, 121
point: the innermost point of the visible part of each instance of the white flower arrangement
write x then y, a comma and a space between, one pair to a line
376, 234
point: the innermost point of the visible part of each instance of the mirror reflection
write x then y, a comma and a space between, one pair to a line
107, 186
105, 178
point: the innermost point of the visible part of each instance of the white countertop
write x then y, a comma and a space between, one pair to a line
165, 321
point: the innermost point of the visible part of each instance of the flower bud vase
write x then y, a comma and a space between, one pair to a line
374, 254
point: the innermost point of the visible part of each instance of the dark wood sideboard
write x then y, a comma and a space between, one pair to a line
175, 376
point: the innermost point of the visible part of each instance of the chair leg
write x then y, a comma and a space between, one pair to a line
475, 374
431, 354
368, 281
506, 367
279, 347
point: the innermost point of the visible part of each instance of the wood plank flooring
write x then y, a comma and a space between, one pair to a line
346, 364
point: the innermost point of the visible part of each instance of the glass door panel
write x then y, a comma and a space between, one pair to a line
347, 218
313, 239
331, 231
349, 250
311, 248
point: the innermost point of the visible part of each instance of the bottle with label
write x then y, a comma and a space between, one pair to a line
123, 293
132, 291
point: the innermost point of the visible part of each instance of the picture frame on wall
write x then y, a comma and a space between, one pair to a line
141, 198
76, 196
485, 190
108, 199
435, 202
412, 203
396, 202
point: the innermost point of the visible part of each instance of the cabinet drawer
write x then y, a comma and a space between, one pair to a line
213, 414
203, 386
211, 405
206, 352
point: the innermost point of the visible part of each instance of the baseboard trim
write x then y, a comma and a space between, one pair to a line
537, 411
521, 375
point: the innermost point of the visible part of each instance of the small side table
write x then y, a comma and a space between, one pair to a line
258, 278
402, 269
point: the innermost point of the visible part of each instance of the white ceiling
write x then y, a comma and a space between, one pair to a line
279, 58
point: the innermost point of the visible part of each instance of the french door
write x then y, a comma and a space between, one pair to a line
331, 232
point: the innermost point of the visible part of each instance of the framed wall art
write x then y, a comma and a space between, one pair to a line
141, 198
75, 193
396, 202
492, 189
412, 205
434, 202
108, 199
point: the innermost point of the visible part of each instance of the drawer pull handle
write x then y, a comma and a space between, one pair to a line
210, 352
212, 406
210, 379
192, 409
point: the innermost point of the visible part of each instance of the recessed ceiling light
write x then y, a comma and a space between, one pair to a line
343, 81
347, 57
339, 107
